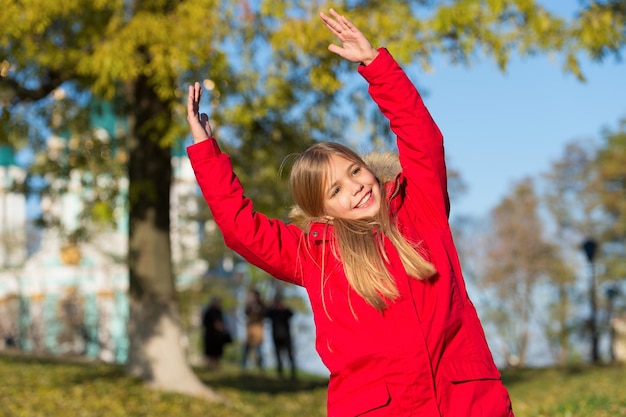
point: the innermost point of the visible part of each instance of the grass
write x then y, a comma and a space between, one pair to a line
49, 388
574, 391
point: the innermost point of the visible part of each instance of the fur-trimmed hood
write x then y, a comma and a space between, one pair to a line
385, 166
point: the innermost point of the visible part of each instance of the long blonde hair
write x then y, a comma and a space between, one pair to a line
359, 243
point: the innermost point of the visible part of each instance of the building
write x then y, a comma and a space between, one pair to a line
71, 298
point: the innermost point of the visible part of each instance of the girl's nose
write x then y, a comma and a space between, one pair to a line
357, 187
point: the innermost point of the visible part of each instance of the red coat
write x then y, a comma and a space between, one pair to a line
426, 354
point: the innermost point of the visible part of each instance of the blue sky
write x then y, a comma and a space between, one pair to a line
502, 127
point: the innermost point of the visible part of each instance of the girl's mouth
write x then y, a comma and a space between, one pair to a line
365, 201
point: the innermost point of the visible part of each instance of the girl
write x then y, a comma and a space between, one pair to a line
394, 324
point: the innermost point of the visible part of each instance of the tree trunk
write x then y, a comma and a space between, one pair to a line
564, 334
156, 354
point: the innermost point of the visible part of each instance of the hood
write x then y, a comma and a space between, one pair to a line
385, 166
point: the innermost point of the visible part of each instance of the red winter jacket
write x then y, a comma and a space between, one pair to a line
424, 355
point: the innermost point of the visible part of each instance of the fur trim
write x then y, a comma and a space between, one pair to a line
384, 165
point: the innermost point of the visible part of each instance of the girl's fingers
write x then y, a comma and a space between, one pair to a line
342, 21
347, 23
198, 91
193, 99
329, 23
190, 101
336, 25
334, 13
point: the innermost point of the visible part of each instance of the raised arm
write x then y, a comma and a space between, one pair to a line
420, 144
267, 243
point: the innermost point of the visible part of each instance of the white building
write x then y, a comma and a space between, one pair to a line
72, 298
12, 212
12, 240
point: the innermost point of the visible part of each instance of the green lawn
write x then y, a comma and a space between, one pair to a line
50, 388
575, 391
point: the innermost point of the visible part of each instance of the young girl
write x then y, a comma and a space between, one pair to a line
394, 324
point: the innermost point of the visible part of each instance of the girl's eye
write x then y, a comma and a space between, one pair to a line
334, 192
356, 170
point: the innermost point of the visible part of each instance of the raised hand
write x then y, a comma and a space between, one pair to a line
198, 122
354, 45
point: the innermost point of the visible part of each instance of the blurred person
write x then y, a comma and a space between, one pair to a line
255, 313
215, 334
280, 316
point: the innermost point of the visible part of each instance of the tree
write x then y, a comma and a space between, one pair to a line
611, 170
272, 84
518, 260
130, 54
585, 196
572, 201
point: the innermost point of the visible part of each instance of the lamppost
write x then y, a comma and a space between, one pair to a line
590, 247
611, 293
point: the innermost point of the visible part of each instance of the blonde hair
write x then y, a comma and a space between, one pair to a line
359, 243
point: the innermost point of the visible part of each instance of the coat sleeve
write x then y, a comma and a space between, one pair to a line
267, 243
420, 143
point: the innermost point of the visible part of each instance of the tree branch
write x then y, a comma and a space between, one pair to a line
13, 91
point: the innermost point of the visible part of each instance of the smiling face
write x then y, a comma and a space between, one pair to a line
330, 180
351, 191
